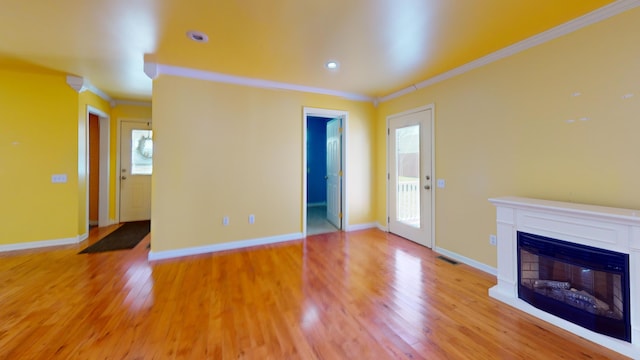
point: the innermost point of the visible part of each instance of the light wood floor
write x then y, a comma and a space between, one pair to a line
360, 295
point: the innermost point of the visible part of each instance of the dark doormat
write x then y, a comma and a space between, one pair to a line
126, 236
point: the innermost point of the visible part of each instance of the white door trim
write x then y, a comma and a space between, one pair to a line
118, 155
103, 187
326, 113
433, 166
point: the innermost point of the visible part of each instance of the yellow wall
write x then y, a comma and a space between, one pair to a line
44, 131
119, 112
86, 99
38, 138
226, 150
501, 130
230, 150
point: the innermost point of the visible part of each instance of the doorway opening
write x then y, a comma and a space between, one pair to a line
94, 169
324, 201
98, 124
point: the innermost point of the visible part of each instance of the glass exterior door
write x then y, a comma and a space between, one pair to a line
409, 155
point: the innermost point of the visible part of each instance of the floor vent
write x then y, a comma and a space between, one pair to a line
452, 262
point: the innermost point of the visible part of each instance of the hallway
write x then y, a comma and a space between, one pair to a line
317, 222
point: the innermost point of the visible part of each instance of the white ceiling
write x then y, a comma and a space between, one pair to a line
382, 45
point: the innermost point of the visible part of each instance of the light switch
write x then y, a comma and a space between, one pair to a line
59, 178
441, 183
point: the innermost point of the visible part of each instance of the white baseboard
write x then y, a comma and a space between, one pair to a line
360, 227
83, 237
198, 250
42, 244
465, 260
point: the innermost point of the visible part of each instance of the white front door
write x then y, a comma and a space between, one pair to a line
136, 166
410, 178
334, 172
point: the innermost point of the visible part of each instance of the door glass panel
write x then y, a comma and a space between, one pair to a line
407, 154
141, 152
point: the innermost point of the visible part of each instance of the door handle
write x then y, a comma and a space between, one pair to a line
427, 187
123, 177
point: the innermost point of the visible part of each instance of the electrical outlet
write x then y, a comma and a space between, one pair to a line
252, 219
225, 221
493, 240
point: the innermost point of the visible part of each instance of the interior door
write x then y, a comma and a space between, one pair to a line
94, 169
334, 172
136, 167
410, 193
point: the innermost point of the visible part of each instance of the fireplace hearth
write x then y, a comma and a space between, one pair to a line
575, 266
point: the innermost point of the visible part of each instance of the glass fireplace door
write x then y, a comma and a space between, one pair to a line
581, 284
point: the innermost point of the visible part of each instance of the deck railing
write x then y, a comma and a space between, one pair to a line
408, 201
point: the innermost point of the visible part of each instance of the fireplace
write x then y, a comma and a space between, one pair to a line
582, 284
575, 266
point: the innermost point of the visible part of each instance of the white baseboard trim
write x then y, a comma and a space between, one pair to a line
93, 222
360, 227
83, 237
198, 250
465, 260
41, 244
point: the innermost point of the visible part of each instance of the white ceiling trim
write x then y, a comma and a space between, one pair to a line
593, 17
99, 92
81, 84
160, 69
76, 83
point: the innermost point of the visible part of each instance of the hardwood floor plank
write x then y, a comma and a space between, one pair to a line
365, 295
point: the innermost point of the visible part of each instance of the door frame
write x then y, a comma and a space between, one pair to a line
433, 167
325, 113
118, 157
104, 122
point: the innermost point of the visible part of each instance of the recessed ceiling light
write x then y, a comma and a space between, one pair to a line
197, 36
332, 65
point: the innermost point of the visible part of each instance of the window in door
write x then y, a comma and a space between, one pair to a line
141, 152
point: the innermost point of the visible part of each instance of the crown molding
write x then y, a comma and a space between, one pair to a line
160, 69
80, 84
593, 17
99, 92
77, 83
151, 70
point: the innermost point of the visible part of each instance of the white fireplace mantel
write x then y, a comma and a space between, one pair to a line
602, 227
